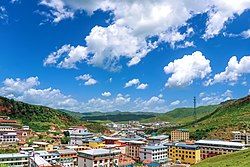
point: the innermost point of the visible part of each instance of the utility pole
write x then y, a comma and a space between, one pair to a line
195, 116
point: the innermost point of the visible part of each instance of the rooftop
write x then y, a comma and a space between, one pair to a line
220, 142
67, 151
40, 161
94, 152
159, 137
155, 147
13, 155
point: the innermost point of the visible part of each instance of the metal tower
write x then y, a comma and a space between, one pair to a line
195, 116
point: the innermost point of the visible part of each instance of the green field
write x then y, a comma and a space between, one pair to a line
237, 159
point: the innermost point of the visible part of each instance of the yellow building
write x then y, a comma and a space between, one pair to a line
180, 135
184, 153
94, 143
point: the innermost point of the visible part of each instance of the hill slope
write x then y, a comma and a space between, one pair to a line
183, 115
39, 118
239, 159
230, 115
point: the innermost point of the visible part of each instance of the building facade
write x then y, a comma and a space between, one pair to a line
184, 153
210, 148
243, 137
179, 135
98, 157
158, 153
16, 159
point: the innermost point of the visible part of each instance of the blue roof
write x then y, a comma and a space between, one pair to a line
153, 164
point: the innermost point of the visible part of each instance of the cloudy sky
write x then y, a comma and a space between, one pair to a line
88, 55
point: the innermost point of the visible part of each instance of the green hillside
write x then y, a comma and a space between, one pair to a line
183, 115
239, 159
230, 115
39, 118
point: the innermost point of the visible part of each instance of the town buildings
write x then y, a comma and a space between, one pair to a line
184, 153
78, 134
16, 159
210, 148
153, 153
98, 157
156, 140
8, 135
179, 135
243, 137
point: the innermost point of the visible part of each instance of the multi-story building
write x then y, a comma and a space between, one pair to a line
183, 153
37, 161
98, 157
133, 149
157, 153
78, 134
94, 143
156, 140
210, 148
243, 137
68, 157
8, 135
52, 158
180, 135
43, 145
16, 159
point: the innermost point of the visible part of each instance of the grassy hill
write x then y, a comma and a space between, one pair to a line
239, 159
39, 118
115, 116
183, 115
230, 115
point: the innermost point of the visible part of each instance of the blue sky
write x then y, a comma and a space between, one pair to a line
132, 56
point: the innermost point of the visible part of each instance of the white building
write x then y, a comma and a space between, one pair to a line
157, 140
157, 153
210, 148
243, 137
37, 161
52, 158
78, 134
15, 160
98, 157
8, 135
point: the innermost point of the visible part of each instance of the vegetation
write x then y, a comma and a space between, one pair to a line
239, 159
39, 118
230, 115
183, 115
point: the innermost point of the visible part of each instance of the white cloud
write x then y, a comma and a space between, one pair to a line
58, 11
87, 78
67, 56
137, 83
175, 103
185, 70
132, 82
106, 94
215, 98
142, 86
246, 34
133, 23
3, 14
24, 90
233, 71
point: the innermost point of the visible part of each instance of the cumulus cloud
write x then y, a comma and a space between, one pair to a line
215, 98
67, 56
106, 94
175, 103
58, 11
137, 83
185, 70
133, 24
142, 86
25, 90
87, 78
233, 71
